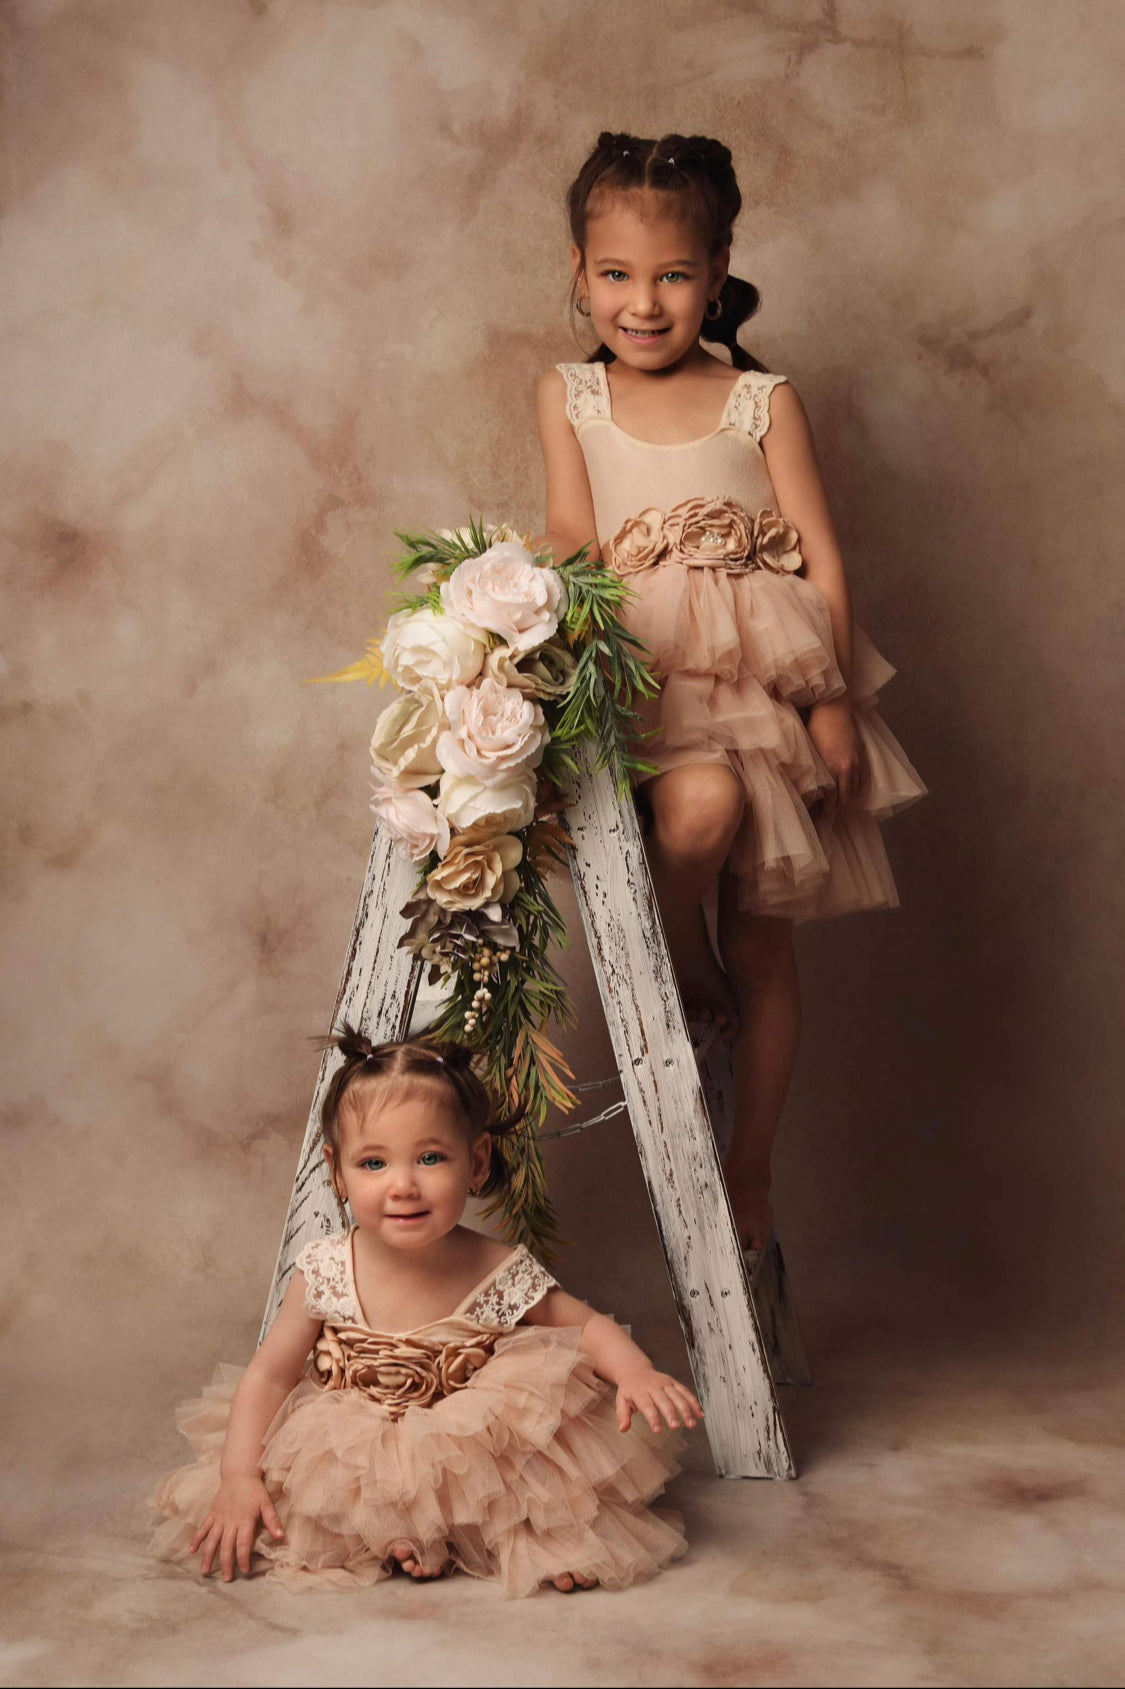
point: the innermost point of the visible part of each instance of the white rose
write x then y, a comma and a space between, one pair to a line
493, 729
423, 645
404, 743
509, 802
505, 591
412, 819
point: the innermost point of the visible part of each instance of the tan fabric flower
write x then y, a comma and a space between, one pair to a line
705, 532
777, 544
478, 871
328, 1359
638, 543
459, 1360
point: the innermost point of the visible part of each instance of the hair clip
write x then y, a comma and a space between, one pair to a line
439, 1059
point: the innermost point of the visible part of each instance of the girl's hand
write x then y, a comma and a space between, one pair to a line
832, 731
651, 1393
232, 1524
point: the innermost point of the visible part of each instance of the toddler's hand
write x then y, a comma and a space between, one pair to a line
653, 1393
232, 1524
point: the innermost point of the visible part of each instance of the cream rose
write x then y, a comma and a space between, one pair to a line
479, 872
509, 803
777, 544
404, 743
638, 543
506, 591
703, 532
422, 646
493, 729
411, 819
546, 673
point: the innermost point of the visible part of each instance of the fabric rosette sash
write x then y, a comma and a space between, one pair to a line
398, 1372
705, 533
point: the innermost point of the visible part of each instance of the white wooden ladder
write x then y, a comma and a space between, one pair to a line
741, 1340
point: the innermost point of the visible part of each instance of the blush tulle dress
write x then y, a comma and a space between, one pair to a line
741, 652
474, 1438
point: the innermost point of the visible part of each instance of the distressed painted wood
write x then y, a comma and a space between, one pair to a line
675, 1142
376, 995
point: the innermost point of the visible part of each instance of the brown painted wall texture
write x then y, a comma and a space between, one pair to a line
280, 276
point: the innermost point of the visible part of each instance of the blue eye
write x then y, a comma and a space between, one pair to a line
372, 1164
431, 1157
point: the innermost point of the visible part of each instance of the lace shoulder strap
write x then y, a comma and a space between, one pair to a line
749, 405
586, 391
518, 1284
328, 1279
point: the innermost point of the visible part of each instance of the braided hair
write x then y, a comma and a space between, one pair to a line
418, 1058
699, 170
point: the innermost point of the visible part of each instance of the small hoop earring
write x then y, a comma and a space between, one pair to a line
713, 315
583, 300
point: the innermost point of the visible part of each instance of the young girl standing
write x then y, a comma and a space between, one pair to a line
702, 489
452, 1412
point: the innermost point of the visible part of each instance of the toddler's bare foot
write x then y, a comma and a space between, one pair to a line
407, 1559
566, 1581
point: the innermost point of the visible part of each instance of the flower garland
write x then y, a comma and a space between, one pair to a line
506, 663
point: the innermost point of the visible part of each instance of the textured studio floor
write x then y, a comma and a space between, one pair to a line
958, 1520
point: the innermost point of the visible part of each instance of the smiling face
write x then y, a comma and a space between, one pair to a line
648, 278
406, 1160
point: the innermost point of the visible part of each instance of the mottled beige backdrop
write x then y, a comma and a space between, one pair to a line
279, 276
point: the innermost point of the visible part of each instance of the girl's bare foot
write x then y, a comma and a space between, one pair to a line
407, 1559
753, 1215
566, 1581
703, 984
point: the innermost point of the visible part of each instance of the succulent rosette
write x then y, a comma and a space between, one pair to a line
504, 663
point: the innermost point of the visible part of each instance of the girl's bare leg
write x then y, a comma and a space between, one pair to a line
696, 813
758, 954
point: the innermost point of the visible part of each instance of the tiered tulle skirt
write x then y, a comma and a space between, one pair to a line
520, 1476
740, 656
